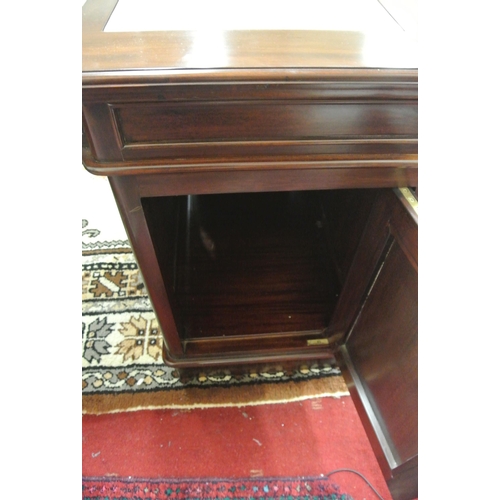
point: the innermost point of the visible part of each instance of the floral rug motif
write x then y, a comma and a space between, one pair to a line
122, 347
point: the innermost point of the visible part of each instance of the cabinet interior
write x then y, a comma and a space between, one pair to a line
256, 263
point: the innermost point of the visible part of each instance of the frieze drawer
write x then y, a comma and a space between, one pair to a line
273, 124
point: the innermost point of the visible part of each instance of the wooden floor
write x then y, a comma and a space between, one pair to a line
253, 263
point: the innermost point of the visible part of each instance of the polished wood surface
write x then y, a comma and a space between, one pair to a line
161, 51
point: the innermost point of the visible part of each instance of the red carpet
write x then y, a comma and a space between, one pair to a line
293, 440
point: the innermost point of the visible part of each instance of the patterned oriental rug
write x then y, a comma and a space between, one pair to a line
122, 367
212, 489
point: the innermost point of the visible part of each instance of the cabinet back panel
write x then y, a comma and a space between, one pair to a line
255, 263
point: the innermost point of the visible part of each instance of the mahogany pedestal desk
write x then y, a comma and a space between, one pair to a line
266, 179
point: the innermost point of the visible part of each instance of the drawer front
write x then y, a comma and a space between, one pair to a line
198, 130
262, 128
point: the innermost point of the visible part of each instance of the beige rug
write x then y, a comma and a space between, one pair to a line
122, 368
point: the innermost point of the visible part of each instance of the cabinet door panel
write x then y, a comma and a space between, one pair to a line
384, 352
380, 351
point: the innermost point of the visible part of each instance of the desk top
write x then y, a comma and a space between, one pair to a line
281, 91
216, 42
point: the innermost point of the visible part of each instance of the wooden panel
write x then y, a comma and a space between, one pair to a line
404, 482
253, 264
161, 178
242, 130
101, 132
129, 204
380, 354
257, 121
336, 120
363, 267
316, 86
346, 214
162, 216
383, 348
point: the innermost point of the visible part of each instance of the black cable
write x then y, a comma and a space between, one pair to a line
360, 475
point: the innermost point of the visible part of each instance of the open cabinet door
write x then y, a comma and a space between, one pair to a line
379, 350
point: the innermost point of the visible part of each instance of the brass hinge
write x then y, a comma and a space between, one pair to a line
317, 342
410, 198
